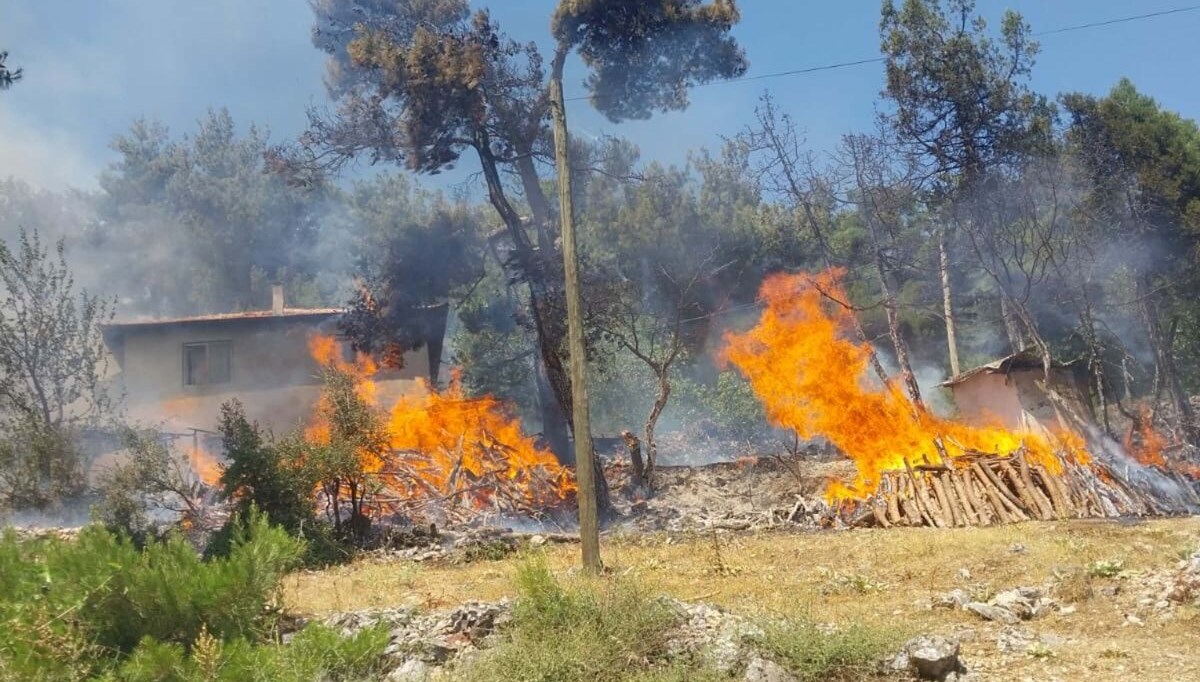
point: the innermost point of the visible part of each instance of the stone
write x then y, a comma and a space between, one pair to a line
954, 599
762, 670
992, 613
1014, 602
964, 573
410, 670
1017, 548
929, 657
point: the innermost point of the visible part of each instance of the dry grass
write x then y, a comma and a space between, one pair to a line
877, 578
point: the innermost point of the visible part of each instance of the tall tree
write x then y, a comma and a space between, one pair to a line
642, 57
213, 228
1144, 163
961, 103
422, 83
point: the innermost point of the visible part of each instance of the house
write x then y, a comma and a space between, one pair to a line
176, 373
1011, 392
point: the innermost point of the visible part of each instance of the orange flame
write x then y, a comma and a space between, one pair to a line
440, 440
206, 466
812, 379
1144, 443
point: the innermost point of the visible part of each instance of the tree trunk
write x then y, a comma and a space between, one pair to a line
1164, 361
948, 300
554, 420
893, 319
660, 402
585, 463
1012, 326
530, 265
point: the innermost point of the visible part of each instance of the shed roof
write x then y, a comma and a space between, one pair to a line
1025, 360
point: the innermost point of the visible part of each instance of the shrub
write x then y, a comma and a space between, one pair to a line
40, 465
72, 607
259, 474
591, 633
315, 653
811, 653
150, 479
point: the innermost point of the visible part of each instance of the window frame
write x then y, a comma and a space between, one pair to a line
207, 345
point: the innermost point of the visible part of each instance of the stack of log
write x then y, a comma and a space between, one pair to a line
417, 484
982, 489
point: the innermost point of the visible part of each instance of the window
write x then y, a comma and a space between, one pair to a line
205, 363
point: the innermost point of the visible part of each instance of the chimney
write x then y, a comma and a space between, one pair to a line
277, 299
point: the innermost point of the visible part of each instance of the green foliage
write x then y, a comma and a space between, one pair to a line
960, 94
149, 478
315, 653
74, 608
729, 405
664, 48
211, 227
590, 633
277, 480
813, 654
261, 475
52, 359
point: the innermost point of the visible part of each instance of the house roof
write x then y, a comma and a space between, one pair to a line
224, 317
1028, 359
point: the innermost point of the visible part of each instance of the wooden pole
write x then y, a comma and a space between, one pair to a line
585, 470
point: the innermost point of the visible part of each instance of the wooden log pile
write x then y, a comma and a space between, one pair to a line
982, 489
416, 484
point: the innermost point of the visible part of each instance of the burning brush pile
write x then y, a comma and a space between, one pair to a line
913, 467
429, 455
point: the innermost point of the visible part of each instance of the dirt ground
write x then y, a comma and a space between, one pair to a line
1111, 629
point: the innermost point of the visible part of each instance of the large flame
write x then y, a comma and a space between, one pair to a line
813, 379
206, 466
443, 444
1144, 442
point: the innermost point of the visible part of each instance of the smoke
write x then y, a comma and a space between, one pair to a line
1167, 490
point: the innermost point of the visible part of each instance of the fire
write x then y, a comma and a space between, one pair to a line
443, 444
813, 379
1144, 443
206, 466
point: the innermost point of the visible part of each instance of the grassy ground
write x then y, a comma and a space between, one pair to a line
878, 578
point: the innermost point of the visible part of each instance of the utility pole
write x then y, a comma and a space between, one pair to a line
585, 469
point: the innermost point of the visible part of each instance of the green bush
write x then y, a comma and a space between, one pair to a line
315, 653
594, 634
729, 405
76, 607
813, 654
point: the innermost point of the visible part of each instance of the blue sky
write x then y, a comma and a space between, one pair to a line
93, 66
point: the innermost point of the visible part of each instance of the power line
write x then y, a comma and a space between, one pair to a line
1122, 20
875, 60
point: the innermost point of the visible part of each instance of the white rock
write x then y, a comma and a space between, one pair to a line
762, 670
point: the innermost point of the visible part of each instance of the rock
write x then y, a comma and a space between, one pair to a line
993, 613
411, 670
929, 657
762, 670
954, 599
1014, 640
719, 638
964, 574
1017, 548
1015, 603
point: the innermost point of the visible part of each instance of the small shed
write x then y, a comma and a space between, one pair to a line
1010, 391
